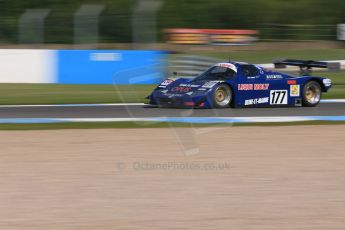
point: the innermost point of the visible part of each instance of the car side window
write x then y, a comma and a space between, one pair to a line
250, 71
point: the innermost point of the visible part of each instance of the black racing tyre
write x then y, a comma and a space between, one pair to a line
311, 94
222, 96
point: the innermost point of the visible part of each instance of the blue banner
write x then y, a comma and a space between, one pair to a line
110, 67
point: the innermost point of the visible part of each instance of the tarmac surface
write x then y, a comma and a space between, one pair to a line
142, 111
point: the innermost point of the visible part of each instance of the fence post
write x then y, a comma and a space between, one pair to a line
86, 24
144, 21
31, 26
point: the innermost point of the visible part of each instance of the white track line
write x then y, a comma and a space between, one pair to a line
196, 120
333, 101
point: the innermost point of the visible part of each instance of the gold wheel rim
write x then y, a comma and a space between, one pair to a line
220, 95
310, 94
313, 94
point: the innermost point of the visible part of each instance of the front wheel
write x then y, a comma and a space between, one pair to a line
222, 96
311, 94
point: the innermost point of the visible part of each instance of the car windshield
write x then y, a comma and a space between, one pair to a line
216, 73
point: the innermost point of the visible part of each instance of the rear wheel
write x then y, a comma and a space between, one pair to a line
311, 94
222, 96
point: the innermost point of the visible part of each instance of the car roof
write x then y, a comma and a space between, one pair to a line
239, 63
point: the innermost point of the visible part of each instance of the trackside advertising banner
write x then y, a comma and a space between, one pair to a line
110, 67
82, 66
28, 66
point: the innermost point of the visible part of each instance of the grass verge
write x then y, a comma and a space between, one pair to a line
14, 94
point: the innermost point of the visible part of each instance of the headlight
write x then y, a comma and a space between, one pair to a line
327, 82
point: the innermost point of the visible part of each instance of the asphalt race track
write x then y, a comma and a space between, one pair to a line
142, 111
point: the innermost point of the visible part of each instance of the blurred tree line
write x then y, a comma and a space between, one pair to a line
276, 19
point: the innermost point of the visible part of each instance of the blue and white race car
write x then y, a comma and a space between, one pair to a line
237, 84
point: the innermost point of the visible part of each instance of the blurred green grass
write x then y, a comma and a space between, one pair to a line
11, 94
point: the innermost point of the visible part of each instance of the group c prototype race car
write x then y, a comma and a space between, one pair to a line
237, 84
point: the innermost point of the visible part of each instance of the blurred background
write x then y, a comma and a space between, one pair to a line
273, 19
56, 41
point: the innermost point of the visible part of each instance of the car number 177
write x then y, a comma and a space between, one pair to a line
278, 97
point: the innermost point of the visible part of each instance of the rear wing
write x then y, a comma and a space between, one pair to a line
306, 66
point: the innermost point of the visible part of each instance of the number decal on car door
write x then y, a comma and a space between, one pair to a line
278, 97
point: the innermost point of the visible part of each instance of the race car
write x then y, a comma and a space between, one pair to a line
238, 84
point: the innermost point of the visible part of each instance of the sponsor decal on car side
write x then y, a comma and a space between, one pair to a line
256, 101
261, 86
171, 95
291, 82
273, 76
253, 86
278, 97
190, 85
210, 84
294, 90
181, 89
165, 83
245, 87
